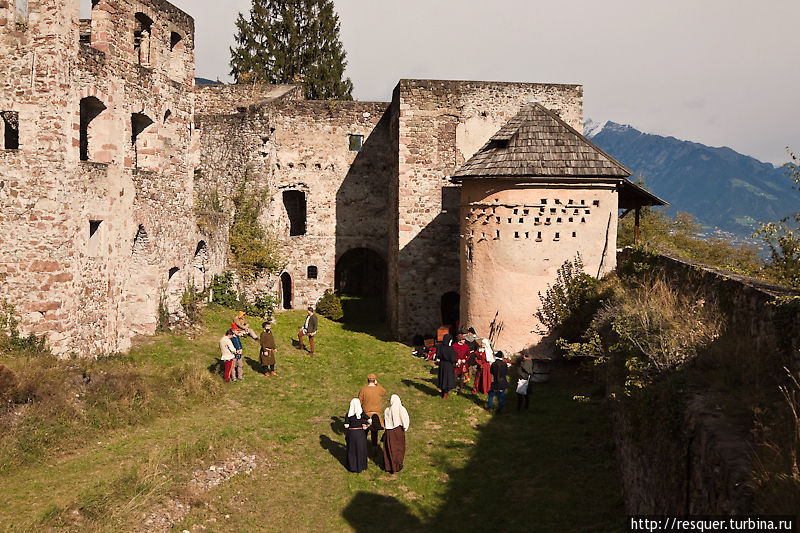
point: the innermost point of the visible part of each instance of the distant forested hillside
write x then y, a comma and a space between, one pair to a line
722, 188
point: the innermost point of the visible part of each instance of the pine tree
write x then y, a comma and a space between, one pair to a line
292, 41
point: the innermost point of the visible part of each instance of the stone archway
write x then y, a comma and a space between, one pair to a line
361, 272
287, 293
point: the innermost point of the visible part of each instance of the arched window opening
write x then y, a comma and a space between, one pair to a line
141, 246
175, 42
167, 115
286, 290
91, 108
140, 141
295, 204
142, 38
172, 272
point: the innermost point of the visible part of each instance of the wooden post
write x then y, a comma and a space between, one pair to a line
636, 227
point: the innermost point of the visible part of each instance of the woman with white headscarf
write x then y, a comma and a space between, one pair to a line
396, 420
356, 423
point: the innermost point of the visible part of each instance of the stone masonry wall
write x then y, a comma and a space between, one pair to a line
90, 244
701, 465
291, 145
441, 124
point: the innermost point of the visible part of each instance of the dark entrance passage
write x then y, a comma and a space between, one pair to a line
286, 290
450, 309
360, 279
361, 272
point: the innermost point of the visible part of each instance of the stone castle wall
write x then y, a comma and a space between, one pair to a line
120, 189
94, 225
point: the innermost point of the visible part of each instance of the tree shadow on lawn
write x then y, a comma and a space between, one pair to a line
550, 468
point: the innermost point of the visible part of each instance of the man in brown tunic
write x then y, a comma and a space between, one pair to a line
267, 341
371, 397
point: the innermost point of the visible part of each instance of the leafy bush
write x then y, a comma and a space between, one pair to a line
254, 250
223, 291
652, 327
189, 302
263, 304
330, 305
11, 342
162, 317
570, 302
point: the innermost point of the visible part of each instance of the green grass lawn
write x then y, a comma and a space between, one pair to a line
549, 469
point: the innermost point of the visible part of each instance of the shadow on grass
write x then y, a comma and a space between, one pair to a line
216, 367
421, 386
366, 315
336, 449
254, 364
337, 425
550, 468
364, 508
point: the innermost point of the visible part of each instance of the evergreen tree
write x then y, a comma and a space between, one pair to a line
292, 41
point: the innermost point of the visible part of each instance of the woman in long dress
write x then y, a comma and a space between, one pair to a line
447, 358
394, 438
356, 423
483, 376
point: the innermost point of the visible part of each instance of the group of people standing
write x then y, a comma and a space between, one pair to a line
470, 357
231, 348
364, 416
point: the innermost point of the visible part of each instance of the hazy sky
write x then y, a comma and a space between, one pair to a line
720, 72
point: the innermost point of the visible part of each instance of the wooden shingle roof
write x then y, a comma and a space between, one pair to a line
537, 143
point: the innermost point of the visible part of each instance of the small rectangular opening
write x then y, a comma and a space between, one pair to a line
10, 129
356, 141
94, 248
311, 272
596, 203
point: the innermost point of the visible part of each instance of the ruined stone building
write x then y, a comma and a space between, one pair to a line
117, 174
96, 205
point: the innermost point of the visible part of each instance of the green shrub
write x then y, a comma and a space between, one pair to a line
263, 304
569, 304
330, 306
12, 343
190, 302
162, 317
223, 291
254, 249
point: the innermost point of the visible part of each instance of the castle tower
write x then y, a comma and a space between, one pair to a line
536, 195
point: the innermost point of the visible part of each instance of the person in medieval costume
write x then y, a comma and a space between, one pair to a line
462, 361
525, 374
356, 423
268, 348
240, 323
499, 370
394, 438
446, 380
483, 375
371, 398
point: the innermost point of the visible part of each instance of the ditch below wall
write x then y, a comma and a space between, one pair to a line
679, 453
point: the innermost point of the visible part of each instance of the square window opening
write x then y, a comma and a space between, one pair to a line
356, 142
311, 272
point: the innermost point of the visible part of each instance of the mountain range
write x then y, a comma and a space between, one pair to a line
727, 192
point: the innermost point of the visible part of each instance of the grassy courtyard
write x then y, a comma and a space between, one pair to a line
549, 469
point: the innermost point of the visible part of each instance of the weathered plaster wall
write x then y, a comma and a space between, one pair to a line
514, 238
440, 124
86, 292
